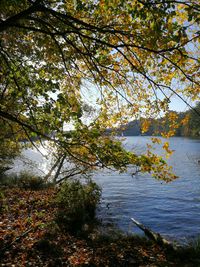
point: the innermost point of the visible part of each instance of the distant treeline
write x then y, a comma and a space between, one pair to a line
188, 124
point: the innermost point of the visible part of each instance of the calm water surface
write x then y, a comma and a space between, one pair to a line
171, 209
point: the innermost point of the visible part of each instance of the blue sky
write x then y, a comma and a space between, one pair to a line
177, 104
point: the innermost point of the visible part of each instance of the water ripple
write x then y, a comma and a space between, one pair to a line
172, 209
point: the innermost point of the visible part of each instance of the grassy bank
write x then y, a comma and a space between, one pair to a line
30, 236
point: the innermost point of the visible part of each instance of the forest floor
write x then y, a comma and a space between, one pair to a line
30, 237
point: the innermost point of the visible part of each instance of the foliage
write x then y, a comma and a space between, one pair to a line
30, 181
45, 244
25, 216
187, 124
194, 122
2, 197
132, 56
8, 180
191, 251
196, 245
77, 204
10, 147
24, 180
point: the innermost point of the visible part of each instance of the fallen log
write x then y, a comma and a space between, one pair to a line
156, 237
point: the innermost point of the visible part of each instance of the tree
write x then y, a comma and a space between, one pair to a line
133, 55
11, 135
194, 122
9, 147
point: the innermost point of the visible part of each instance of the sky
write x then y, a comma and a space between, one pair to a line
90, 95
178, 105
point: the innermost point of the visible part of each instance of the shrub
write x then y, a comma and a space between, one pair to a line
31, 181
2, 197
77, 204
194, 247
25, 180
8, 180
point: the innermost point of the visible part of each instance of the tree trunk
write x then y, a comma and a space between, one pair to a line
156, 237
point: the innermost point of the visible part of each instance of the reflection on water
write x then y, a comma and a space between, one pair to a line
172, 209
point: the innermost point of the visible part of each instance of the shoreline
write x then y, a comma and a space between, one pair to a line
29, 216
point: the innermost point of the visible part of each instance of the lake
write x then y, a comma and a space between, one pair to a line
172, 209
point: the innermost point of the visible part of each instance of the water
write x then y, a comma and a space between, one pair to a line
171, 209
